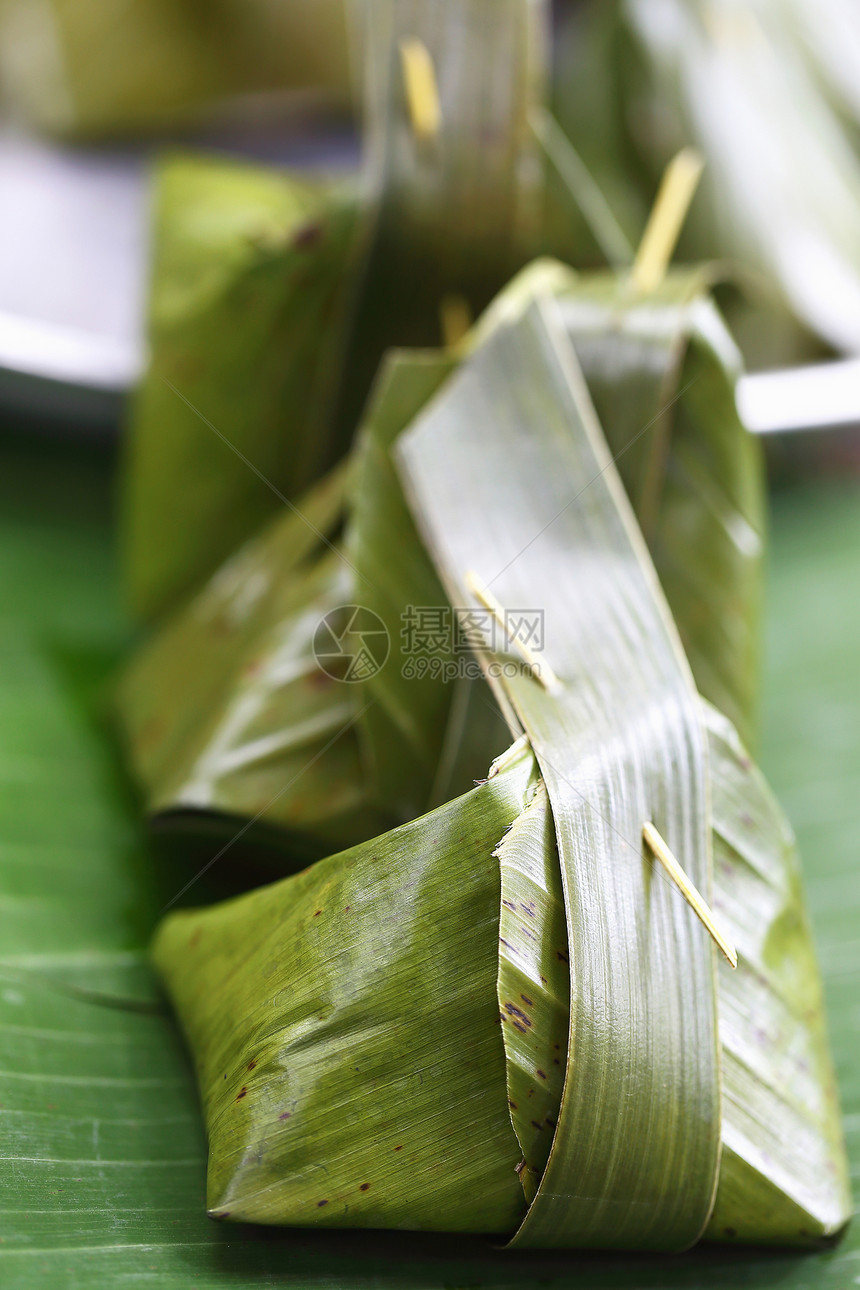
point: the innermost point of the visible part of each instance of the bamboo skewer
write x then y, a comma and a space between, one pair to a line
422, 93
658, 848
540, 670
677, 187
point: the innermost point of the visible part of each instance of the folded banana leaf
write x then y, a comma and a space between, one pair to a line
104, 1170
247, 322
86, 68
502, 1017
661, 369
762, 89
227, 716
274, 297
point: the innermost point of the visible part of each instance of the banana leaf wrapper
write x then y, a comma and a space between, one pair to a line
227, 716
274, 297
762, 93
79, 68
662, 371
247, 322
380, 1040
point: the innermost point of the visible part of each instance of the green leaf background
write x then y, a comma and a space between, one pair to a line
102, 1142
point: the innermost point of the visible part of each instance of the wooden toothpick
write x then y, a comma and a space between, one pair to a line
422, 93
694, 899
539, 669
679, 182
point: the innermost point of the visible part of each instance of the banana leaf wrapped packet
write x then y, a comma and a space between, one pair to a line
247, 322
275, 293
212, 723
502, 1016
750, 84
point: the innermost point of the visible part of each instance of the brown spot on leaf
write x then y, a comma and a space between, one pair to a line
527, 1001
541, 1074
308, 235
561, 956
242, 1093
399, 1148
364, 1187
285, 1115
317, 913
535, 1125
252, 1063
509, 904
514, 1012
194, 939
320, 1203
319, 680
512, 1105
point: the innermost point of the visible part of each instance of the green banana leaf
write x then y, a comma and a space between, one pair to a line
694, 477
362, 953
527, 498
364, 1085
751, 85
226, 714
275, 296
101, 1136
248, 312
82, 68
74, 67
662, 370
795, 1136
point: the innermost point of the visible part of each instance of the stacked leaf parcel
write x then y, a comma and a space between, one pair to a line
501, 1015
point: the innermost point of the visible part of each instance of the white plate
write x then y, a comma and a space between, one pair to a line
73, 261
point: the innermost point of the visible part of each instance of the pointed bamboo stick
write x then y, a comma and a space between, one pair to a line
677, 187
539, 669
693, 897
422, 93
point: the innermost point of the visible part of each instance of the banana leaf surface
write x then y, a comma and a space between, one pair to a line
226, 714
248, 312
749, 85
661, 370
290, 996
80, 69
101, 1128
274, 296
